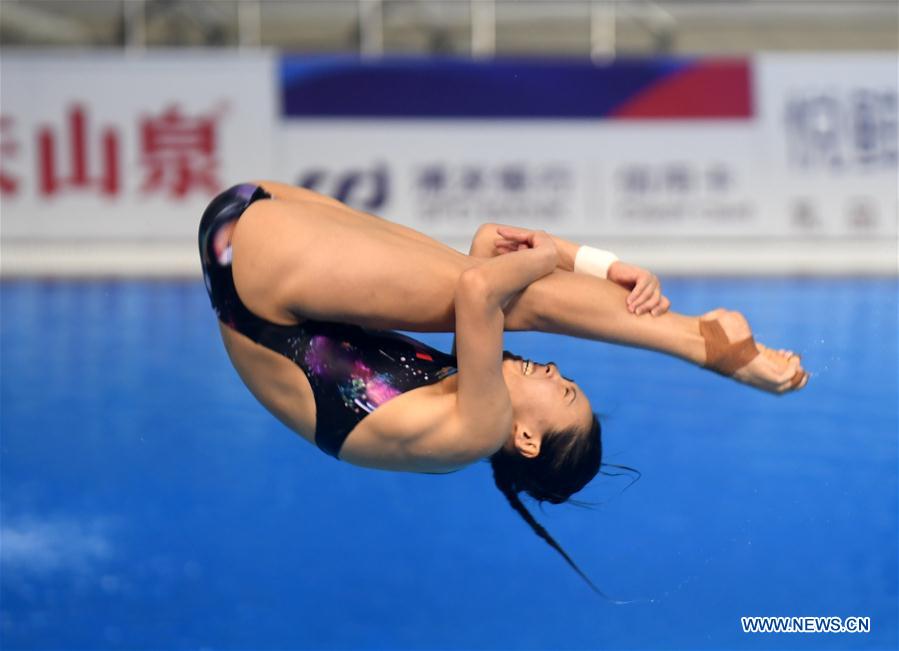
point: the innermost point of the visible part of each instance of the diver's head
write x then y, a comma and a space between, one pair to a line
554, 448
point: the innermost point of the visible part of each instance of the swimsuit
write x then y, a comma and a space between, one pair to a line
352, 370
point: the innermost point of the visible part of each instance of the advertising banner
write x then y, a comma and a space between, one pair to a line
112, 147
786, 149
661, 149
827, 139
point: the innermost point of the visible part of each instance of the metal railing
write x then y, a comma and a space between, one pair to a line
480, 28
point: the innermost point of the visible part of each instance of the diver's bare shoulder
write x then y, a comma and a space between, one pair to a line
418, 431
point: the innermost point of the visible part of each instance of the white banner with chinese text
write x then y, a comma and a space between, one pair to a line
112, 147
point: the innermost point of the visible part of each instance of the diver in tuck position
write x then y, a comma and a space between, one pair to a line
307, 289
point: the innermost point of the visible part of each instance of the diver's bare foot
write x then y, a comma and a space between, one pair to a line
750, 363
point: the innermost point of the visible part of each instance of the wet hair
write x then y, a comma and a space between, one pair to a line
567, 461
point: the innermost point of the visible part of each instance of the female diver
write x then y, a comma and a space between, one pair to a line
307, 290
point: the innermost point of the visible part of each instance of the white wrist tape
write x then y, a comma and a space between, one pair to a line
593, 262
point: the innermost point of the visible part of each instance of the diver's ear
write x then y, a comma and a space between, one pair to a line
527, 444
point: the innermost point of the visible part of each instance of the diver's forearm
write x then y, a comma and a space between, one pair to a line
504, 276
483, 245
567, 252
593, 308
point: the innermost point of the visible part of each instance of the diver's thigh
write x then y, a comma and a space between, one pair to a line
287, 192
295, 260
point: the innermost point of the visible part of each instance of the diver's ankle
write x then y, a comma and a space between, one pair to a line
693, 341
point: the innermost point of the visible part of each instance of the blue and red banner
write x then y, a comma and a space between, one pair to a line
404, 87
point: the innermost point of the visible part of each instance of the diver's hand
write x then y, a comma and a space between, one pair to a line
517, 239
646, 290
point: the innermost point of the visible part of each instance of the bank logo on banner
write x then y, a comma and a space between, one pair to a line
366, 189
444, 192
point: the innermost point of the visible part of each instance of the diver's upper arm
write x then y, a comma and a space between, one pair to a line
481, 247
483, 406
453, 442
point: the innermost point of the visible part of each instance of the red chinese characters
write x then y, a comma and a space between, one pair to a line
9, 185
177, 156
105, 178
179, 153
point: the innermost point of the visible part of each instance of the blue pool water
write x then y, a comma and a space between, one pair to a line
149, 502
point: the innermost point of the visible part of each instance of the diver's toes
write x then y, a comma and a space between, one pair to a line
799, 380
790, 383
788, 374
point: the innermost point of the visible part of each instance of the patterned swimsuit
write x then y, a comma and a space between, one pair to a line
352, 370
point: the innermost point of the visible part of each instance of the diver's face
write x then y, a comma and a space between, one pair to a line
543, 400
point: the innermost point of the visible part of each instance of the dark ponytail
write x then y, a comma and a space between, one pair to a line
568, 461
